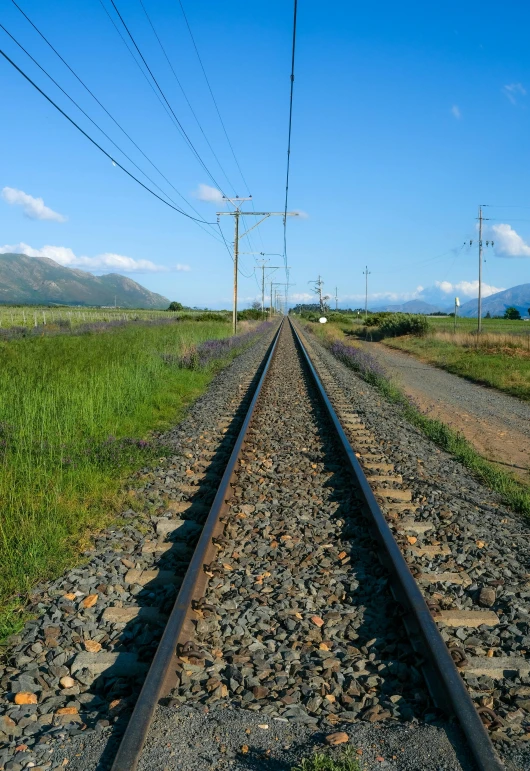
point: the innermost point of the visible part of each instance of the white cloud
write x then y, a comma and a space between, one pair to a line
508, 243
302, 297
106, 262
33, 208
512, 90
210, 194
455, 111
467, 288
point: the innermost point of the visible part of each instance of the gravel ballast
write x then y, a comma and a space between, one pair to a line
475, 536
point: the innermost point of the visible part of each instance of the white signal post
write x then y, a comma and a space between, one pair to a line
236, 214
457, 305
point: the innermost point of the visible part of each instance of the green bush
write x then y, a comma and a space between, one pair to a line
375, 319
397, 324
250, 314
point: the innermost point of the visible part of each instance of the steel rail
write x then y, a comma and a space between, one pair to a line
162, 672
445, 683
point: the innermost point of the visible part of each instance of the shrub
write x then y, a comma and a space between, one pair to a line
398, 324
250, 314
375, 319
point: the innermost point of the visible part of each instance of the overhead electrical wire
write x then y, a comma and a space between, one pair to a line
94, 122
195, 46
212, 95
102, 107
172, 205
96, 144
293, 52
186, 96
188, 140
166, 101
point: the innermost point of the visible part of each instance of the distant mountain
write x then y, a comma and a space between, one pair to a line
412, 306
496, 304
39, 280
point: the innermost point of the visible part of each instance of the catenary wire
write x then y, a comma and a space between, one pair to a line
295, 10
95, 124
188, 140
96, 144
186, 96
212, 95
195, 46
101, 105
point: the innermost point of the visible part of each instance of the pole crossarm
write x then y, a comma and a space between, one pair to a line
258, 213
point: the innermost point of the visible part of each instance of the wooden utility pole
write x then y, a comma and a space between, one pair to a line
480, 219
479, 327
263, 268
236, 214
275, 283
366, 273
318, 290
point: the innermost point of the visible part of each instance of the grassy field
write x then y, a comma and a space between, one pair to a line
491, 326
494, 361
499, 357
36, 316
74, 414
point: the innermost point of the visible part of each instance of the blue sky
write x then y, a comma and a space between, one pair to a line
406, 117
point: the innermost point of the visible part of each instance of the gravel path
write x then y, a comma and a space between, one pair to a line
496, 423
78, 667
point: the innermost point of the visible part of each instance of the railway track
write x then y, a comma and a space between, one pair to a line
288, 607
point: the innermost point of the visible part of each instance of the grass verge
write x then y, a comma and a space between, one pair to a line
74, 414
503, 369
514, 493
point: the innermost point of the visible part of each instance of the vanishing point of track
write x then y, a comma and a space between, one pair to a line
181, 640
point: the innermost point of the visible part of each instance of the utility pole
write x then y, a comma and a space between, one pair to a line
263, 268
318, 290
273, 284
336, 300
366, 273
480, 219
236, 214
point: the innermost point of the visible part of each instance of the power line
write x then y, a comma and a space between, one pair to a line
185, 96
212, 95
220, 120
100, 104
99, 147
289, 138
85, 113
188, 140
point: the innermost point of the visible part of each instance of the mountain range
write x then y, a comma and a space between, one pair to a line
39, 280
495, 304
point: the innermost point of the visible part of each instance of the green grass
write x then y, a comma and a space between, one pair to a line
346, 760
494, 326
501, 369
32, 316
72, 409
